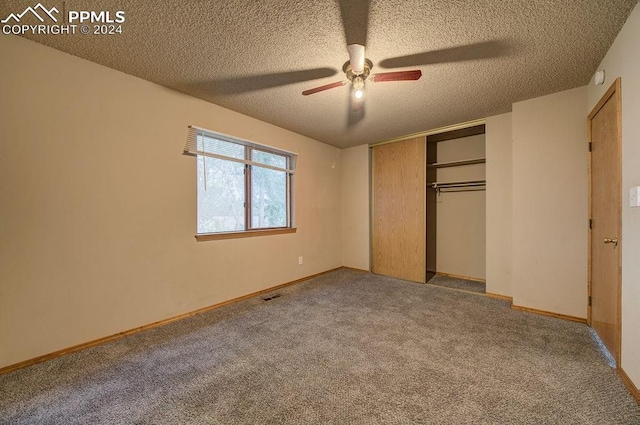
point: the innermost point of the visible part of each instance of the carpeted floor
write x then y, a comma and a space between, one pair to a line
344, 348
457, 283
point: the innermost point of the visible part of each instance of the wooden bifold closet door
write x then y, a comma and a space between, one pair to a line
399, 216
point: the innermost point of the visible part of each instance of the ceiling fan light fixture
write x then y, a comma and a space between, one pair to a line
358, 87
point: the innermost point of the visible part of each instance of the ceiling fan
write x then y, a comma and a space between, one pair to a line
355, 16
357, 70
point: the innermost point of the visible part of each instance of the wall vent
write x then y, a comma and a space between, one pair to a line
271, 297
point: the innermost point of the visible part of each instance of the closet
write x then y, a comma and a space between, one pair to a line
456, 204
428, 206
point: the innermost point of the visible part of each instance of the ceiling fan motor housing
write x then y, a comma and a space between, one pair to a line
346, 68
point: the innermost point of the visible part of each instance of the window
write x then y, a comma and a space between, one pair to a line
243, 188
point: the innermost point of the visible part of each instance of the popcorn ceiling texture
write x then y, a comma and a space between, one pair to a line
479, 56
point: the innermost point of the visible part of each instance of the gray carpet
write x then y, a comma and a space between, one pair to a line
457, 283
344, 348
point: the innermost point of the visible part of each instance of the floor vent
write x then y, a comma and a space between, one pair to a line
271, 297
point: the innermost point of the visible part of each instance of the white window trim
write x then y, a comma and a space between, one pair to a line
193, 148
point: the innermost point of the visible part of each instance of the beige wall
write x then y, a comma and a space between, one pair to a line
98, 205
499, 204
460, 216
550, 203
355, 207
623, 61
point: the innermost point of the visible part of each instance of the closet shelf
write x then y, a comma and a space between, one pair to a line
457, 163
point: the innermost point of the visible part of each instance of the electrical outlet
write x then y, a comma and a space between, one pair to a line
300, 260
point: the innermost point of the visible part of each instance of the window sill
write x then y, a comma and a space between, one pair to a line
246, 234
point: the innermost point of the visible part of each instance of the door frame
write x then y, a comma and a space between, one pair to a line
614, 90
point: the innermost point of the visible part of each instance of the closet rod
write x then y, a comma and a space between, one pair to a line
466, 183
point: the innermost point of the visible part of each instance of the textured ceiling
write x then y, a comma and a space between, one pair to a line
256, 57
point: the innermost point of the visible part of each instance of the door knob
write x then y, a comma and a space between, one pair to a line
614, 241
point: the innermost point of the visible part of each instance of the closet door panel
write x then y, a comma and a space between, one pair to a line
399, 216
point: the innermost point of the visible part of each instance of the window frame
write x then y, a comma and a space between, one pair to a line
191, 148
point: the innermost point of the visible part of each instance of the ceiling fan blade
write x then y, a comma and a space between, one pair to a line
356, 58
355, 19
264, 81
482, 50
325, 87
396, 76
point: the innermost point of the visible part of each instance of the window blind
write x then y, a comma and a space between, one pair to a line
216, 145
